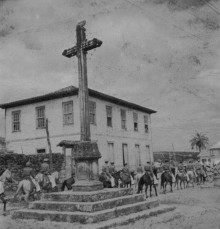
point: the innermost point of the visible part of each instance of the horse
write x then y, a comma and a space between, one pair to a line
123, 177
181, 178
105, 180
137, 178
146, 180
166, 178
28, 188
192, 177
200, 176
68, 183
48, 183
5, 176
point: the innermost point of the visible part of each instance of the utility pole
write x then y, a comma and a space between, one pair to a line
49, 146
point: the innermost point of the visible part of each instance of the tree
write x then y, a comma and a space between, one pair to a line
199, 141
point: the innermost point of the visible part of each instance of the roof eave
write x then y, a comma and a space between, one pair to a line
74, 91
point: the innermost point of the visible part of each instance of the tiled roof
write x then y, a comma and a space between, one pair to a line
71, 90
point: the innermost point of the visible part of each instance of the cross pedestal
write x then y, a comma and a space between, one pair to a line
86, 155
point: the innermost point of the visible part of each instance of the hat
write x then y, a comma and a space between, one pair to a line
46, 159
112, 162
28, 163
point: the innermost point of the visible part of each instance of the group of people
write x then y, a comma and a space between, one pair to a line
109, 171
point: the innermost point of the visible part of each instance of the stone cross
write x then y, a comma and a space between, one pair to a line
85, 153
80, 50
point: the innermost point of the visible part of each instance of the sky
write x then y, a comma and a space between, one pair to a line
161, 54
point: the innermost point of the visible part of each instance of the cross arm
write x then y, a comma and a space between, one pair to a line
86, 46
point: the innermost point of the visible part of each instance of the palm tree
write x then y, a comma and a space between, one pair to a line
199, 141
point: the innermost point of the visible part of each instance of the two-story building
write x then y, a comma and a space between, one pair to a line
122, 129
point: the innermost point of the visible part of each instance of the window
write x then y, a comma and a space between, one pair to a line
40, 113
92, 112
135, 117
123, 119
111, 155
138, 155
109, 116
16, 116
41, 151
68, 113
146, 129
125, 159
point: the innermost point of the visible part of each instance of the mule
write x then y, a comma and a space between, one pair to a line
5, 176
146, 180
166, 178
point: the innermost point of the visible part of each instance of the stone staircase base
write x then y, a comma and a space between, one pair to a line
90, 207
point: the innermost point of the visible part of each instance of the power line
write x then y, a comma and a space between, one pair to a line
164, 20
211, 6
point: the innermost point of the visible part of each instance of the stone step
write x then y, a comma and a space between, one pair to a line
130, 219
87, 206
85, 217
92, 196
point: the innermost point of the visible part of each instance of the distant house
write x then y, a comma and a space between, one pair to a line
178, 156
215, 153
122, 129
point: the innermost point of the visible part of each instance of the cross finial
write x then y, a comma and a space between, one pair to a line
82, 23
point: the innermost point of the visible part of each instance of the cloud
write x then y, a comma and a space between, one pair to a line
160, 54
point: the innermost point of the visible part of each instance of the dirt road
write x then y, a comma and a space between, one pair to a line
197, 208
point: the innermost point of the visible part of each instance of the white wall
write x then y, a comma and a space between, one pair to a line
29, 139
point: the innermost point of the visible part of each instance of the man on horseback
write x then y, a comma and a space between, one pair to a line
45, 168
167, 169
105, 177
148, 170
5, 176
126, 176
112, 169
140, 169
28, 175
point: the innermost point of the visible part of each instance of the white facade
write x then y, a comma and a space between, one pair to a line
115, 143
